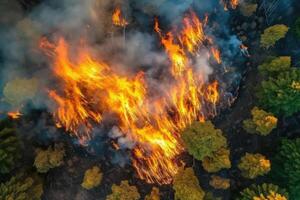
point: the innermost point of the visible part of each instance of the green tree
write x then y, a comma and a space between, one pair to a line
202, 139
123, 192
92, 178
186, 185
272, 34
9, 150
21, 187
49, 158
254, 165
281, 95
276, 65
263, 192
286, 166
261, 123
219, 160
154, 195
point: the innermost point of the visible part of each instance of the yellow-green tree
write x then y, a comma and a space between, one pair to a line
186, 185
218, 182
21, 187
219, 160
247, 9
276, 65
261, 123
272, 34
154, 195
49, 158
124, 191
254, 165
92, 178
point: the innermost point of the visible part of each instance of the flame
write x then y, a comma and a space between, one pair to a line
90, 90
216, 54
118, 19
14, 114
234, 3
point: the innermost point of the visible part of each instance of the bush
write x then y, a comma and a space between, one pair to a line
263, 192
219, 160
281, 95
276, 65
154, 195
92, 178
272, 34
261, 123
253, 165
21, 187
123, 192
9, 150
186, 185
218, 182
286, 166
50, 158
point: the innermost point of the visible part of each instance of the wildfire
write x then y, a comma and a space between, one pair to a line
216, 54
14, 114
234, 3
90, 90
118, 19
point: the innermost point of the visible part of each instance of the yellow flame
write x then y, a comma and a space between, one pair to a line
118, 19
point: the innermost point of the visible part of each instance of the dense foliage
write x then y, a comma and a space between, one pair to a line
272, 34
123, 192
281, 95
286, 166
154, 195
263, 192
9, 148
219, 160
49, 158
186, 185
21, 187
276, 65
253, 165
92, 178
261, 122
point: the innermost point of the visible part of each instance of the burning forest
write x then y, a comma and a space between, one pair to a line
149, 100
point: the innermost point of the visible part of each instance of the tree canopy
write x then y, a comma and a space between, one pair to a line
272, 34
276, 65
92, 178
124, 191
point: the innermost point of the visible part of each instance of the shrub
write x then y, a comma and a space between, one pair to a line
123, 192
21, 187
281, 95
218, 182
92, 178
261, 123
9, 150
276, 65
263, 192
186, 185
253, 165
286, 166
50, 158
154, 195
272, 34
219, 160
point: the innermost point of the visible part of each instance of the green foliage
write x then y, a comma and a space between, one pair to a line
261, 123
286, 166
296, 28
154, 195
253, 165
9, 150
50, 158
272, 34
186, 185
263, 192
276, 65
219, 160
281, 95
202, 139
92, 178
123, 192
21, 187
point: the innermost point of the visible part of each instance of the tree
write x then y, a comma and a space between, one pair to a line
276, 65
202, 139
50, 158
263, 192
123, 192
154, 195
186, 185
296, 28
219, 160
92, 178
9, 150
286, 166
253, 165
247, 9
218, 182
272, 34
261, 123
21, 187
281, 95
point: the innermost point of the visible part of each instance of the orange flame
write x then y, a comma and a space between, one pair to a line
118, 19
234, 3
216, 54
14, 114
90, 89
